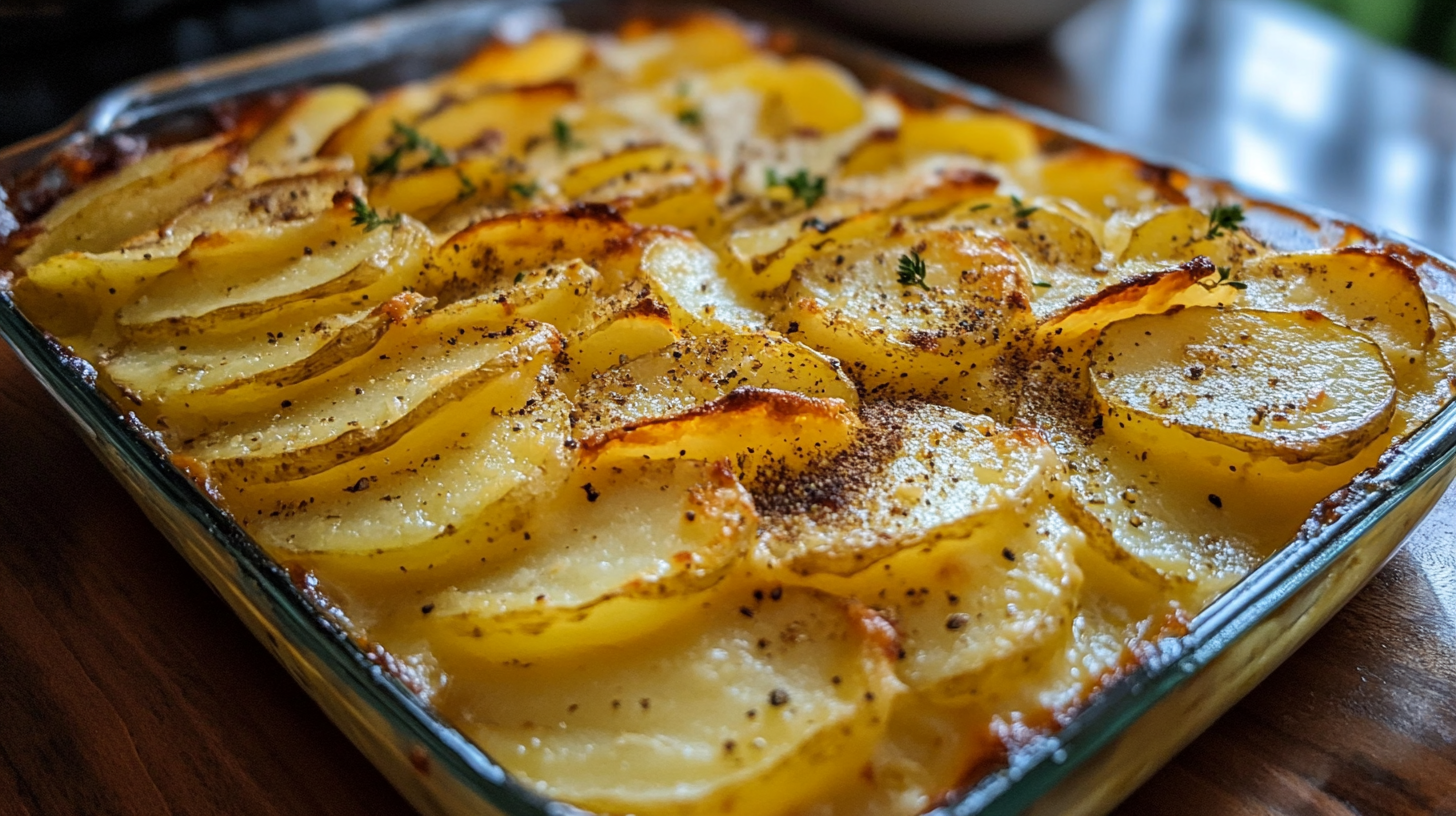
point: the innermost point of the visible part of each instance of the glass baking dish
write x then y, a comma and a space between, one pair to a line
1098, 758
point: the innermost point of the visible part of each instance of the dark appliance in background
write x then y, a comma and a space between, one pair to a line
57, 55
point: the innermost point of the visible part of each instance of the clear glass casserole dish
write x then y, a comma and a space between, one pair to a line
1098, 757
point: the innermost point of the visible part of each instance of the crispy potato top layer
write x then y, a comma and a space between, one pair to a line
701, 431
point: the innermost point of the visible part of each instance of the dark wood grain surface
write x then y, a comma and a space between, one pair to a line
127, 687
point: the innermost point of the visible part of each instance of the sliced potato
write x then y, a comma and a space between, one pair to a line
398, 510
1297, 386
135, 200
1064, 261
977, 611
423, 193
1374, 294
301, 129
362, 137
620, 328
801, 93
953, 335
690, 274
1148, 293
618, 552
234, 275
1181, 234
247, 206
698, 42
421, 366
918, 474
749, 707
991, 136
488, 255
1103, 182
70, 293
549, 56
503, 119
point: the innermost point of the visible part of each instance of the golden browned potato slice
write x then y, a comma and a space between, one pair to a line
697, 43
702, 297
918, 474
1069, 329
1296, 386
990, 136
1181, 234
424, 192
1102, 182
364, 137
237, 275
756, 398
241, 205
420, 366
980, 609
547, 57
1063, 260
1374, 294
941, 315
746, 707
134, 200
506, 118
219, 362
800, 93
487, 256
393, 515
619, 551
301, 129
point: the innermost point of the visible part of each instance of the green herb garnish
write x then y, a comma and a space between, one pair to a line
561, 132
365, 216
805, 187
520, 276
407, 139
1022, 210
526, 189
1041, 284
984, 205
1224, 218
467, 187
1224, 274
692, 117
912, 270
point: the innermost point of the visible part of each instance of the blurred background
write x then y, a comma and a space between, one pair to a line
1345, 104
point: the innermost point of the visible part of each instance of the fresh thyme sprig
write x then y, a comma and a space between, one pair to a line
525, 189
407, 139
467, 187
561, 132
1224, 279
804, 187
368, 218
912, 270
692, 117
1022, 211
1224, 218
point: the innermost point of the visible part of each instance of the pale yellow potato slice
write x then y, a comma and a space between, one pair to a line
1377, 295
977, 611
75, 295
1063, 260
425, 192
800, 93
954, 336
704, 298
135, 199
422, 365
301, 129
617, 552
547, 57
747, 707
507, 118
1181, 234
1293, 385
220, 361
236, 275
240, 205
917, 474
397, 510
364, 136
489, 255
1103, 182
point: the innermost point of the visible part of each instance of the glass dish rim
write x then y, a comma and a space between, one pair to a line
1033, 771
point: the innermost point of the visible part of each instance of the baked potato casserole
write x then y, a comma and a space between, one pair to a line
700, 432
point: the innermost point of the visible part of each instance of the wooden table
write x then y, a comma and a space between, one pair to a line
127, 687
